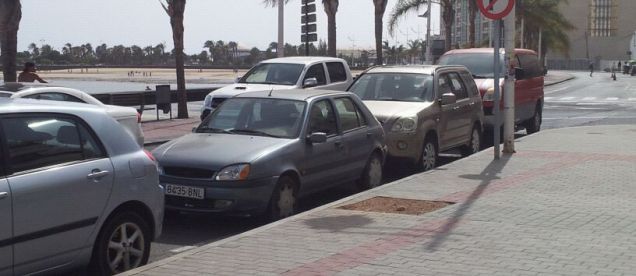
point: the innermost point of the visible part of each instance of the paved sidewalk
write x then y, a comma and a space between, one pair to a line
562, 205
156, 132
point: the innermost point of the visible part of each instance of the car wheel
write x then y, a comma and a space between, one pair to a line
428, 160
283, 202
474, 145
122, 244
372, 174
534, 124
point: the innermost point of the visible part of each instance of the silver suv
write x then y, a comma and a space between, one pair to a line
423, 109
75, 188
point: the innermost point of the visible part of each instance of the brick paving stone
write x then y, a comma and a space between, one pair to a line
551, 209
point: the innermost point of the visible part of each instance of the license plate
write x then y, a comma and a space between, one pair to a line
185, 191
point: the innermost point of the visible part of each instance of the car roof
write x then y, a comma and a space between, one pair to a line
19, 86
8, 106
302, 60
487, 51
292, 94
412, 69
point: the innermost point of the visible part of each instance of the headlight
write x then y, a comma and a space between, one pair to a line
234, 172
405, 124
490, 94
207, 100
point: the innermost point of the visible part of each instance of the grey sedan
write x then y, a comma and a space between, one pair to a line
75, 188
259, 152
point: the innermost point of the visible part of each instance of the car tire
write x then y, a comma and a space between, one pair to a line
429, 156
110, 245
284, 200
372, 174
534, 124
474, 143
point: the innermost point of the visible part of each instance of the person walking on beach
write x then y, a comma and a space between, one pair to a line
28, 74
591, 66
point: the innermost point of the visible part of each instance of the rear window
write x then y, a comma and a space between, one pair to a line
337, 72
480, 65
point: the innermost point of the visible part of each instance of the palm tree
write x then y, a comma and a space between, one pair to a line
175, 10
414, 49
472, 14
35, 51
403, 7
331, 8
544, 16
10, 16
380, 8
281, 16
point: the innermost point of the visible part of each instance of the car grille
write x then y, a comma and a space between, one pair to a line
188, 172
216, 102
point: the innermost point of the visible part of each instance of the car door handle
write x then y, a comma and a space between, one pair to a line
96, 174
3, 195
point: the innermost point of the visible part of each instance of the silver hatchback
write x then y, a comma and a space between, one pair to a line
75, 188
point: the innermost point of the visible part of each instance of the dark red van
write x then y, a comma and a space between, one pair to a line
528, 83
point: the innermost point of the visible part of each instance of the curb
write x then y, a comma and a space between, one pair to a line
560, 81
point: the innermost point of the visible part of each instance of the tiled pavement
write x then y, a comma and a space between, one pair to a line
562, 205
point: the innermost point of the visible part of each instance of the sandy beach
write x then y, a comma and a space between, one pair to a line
143, 75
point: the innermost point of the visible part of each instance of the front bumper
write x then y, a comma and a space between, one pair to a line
228, 197
404, 146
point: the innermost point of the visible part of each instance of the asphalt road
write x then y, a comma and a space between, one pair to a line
585, 100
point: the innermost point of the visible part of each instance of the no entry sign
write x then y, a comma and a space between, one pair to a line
495, 9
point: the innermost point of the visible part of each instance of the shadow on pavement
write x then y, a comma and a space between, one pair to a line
487, 176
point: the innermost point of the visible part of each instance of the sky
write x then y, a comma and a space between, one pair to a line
248, 22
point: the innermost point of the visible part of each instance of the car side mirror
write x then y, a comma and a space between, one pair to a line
448, 98
520, 74
310, 82
317, 137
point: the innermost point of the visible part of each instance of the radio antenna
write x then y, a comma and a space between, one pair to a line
270, 92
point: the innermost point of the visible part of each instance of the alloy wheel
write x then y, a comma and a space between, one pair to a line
429, 156
375, 172
286, 201
126, 247
475, 142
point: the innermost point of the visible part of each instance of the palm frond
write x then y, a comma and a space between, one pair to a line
403, 7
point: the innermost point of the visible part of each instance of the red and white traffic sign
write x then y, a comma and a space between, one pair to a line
495, 9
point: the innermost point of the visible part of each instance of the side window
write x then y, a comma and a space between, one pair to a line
337, 72
322, 118
473, 91
457, 86
530, 64
52, 96
37, 141
349, 114
317, 71
444, 85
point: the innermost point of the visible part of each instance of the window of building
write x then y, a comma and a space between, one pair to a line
602, 18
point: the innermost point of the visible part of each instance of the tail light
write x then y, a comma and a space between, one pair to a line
150, 156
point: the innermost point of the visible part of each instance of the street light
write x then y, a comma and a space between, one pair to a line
427, 14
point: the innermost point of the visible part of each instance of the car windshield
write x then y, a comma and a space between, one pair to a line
273, 73
480, 65
256, 116
394, 87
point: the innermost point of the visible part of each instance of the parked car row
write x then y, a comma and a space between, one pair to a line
260, 149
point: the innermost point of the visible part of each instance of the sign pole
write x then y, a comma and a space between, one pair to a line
497, 67
509, 85
307, 29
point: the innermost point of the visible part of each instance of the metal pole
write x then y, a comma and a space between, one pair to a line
280, 49
496, 41
509, 84
429, 54
307, 29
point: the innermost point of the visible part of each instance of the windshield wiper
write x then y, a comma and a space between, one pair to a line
213, 130
251, 131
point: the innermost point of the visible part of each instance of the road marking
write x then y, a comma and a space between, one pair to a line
548, 98
182, 249
557, 90
589, 98
567, 98
631, 99
612, 99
